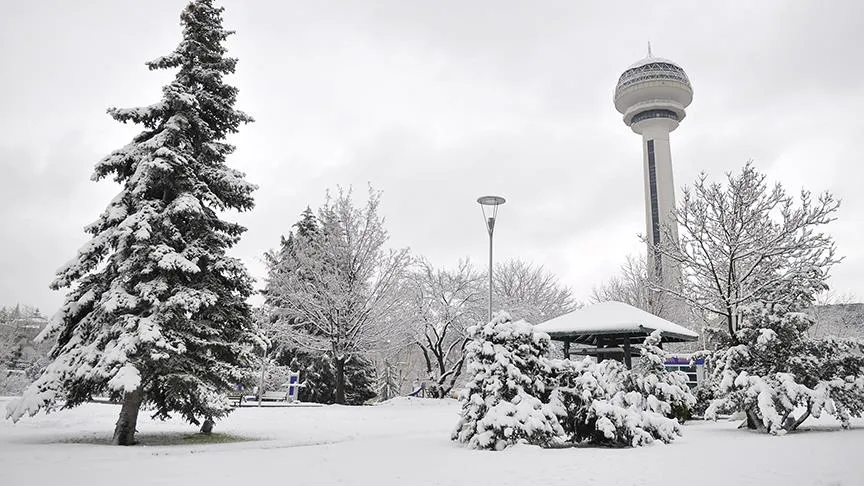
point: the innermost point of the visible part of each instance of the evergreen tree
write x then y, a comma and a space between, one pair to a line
307, 227
777, 371
598, 403
317, 373
157, 312
503, 401
359, 381
663, 391
515, 394
388, 382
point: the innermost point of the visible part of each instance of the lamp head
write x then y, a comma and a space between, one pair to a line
489, 205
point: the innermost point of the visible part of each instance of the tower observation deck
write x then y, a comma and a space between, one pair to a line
652, 96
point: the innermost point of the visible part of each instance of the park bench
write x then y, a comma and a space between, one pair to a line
237, 398
275, 396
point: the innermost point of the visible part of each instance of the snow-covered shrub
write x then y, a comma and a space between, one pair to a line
515, 394
276, 377
665, 392
705, 395
607, 404
502, 403
776, 369
12, 382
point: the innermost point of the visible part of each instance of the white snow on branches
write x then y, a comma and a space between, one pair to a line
517, 395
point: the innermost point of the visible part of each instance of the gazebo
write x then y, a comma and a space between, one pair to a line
610, 329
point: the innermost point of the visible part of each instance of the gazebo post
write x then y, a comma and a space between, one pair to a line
601, 356
628, 362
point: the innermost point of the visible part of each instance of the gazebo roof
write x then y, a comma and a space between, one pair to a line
612, 319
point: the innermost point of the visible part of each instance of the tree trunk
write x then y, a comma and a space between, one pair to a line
795, 424
731, 326
124, 432
207, 427
753, 421
340, 380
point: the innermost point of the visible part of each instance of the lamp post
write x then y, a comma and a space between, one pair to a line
489, 205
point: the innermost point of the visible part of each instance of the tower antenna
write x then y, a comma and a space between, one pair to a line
649, 50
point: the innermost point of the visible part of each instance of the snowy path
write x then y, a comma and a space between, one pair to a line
406, 443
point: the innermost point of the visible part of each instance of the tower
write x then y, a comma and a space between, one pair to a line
652, 95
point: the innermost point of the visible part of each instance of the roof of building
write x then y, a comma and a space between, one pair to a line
650, 60
651, 69
613, 318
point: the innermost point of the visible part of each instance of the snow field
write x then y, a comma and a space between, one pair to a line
406, 442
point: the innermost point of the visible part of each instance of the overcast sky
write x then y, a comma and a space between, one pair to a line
435, 104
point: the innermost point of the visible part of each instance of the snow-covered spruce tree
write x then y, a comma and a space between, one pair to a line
503, 401
777, 370
157, 314
663, 391
607, 404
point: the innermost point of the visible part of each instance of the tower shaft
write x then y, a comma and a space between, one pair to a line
659, 198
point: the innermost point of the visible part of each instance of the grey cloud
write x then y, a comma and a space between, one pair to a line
436, 103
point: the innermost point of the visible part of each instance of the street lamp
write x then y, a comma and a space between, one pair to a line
489, 205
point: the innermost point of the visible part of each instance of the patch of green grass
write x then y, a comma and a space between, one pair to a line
189, 439
167, 439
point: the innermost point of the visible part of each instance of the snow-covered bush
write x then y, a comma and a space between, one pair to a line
705, 395
665, 392
607, 404
502, 403
276, 377
777, 370
12, 382
515, 394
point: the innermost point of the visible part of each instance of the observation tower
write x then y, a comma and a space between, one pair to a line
652, 94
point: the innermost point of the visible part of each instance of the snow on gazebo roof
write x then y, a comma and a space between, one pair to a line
613, 318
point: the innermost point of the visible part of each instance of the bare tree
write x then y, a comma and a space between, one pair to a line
741, 243
343, 297
530, 292
634, 285
836, 315
444, 304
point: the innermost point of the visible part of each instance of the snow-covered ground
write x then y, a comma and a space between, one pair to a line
405, 442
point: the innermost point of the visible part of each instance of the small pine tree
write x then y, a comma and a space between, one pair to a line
664, 392
388, 382
307, 227
605, 404
319, 381
516, 394
502, 403
157, 312
776, 369
359, 381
